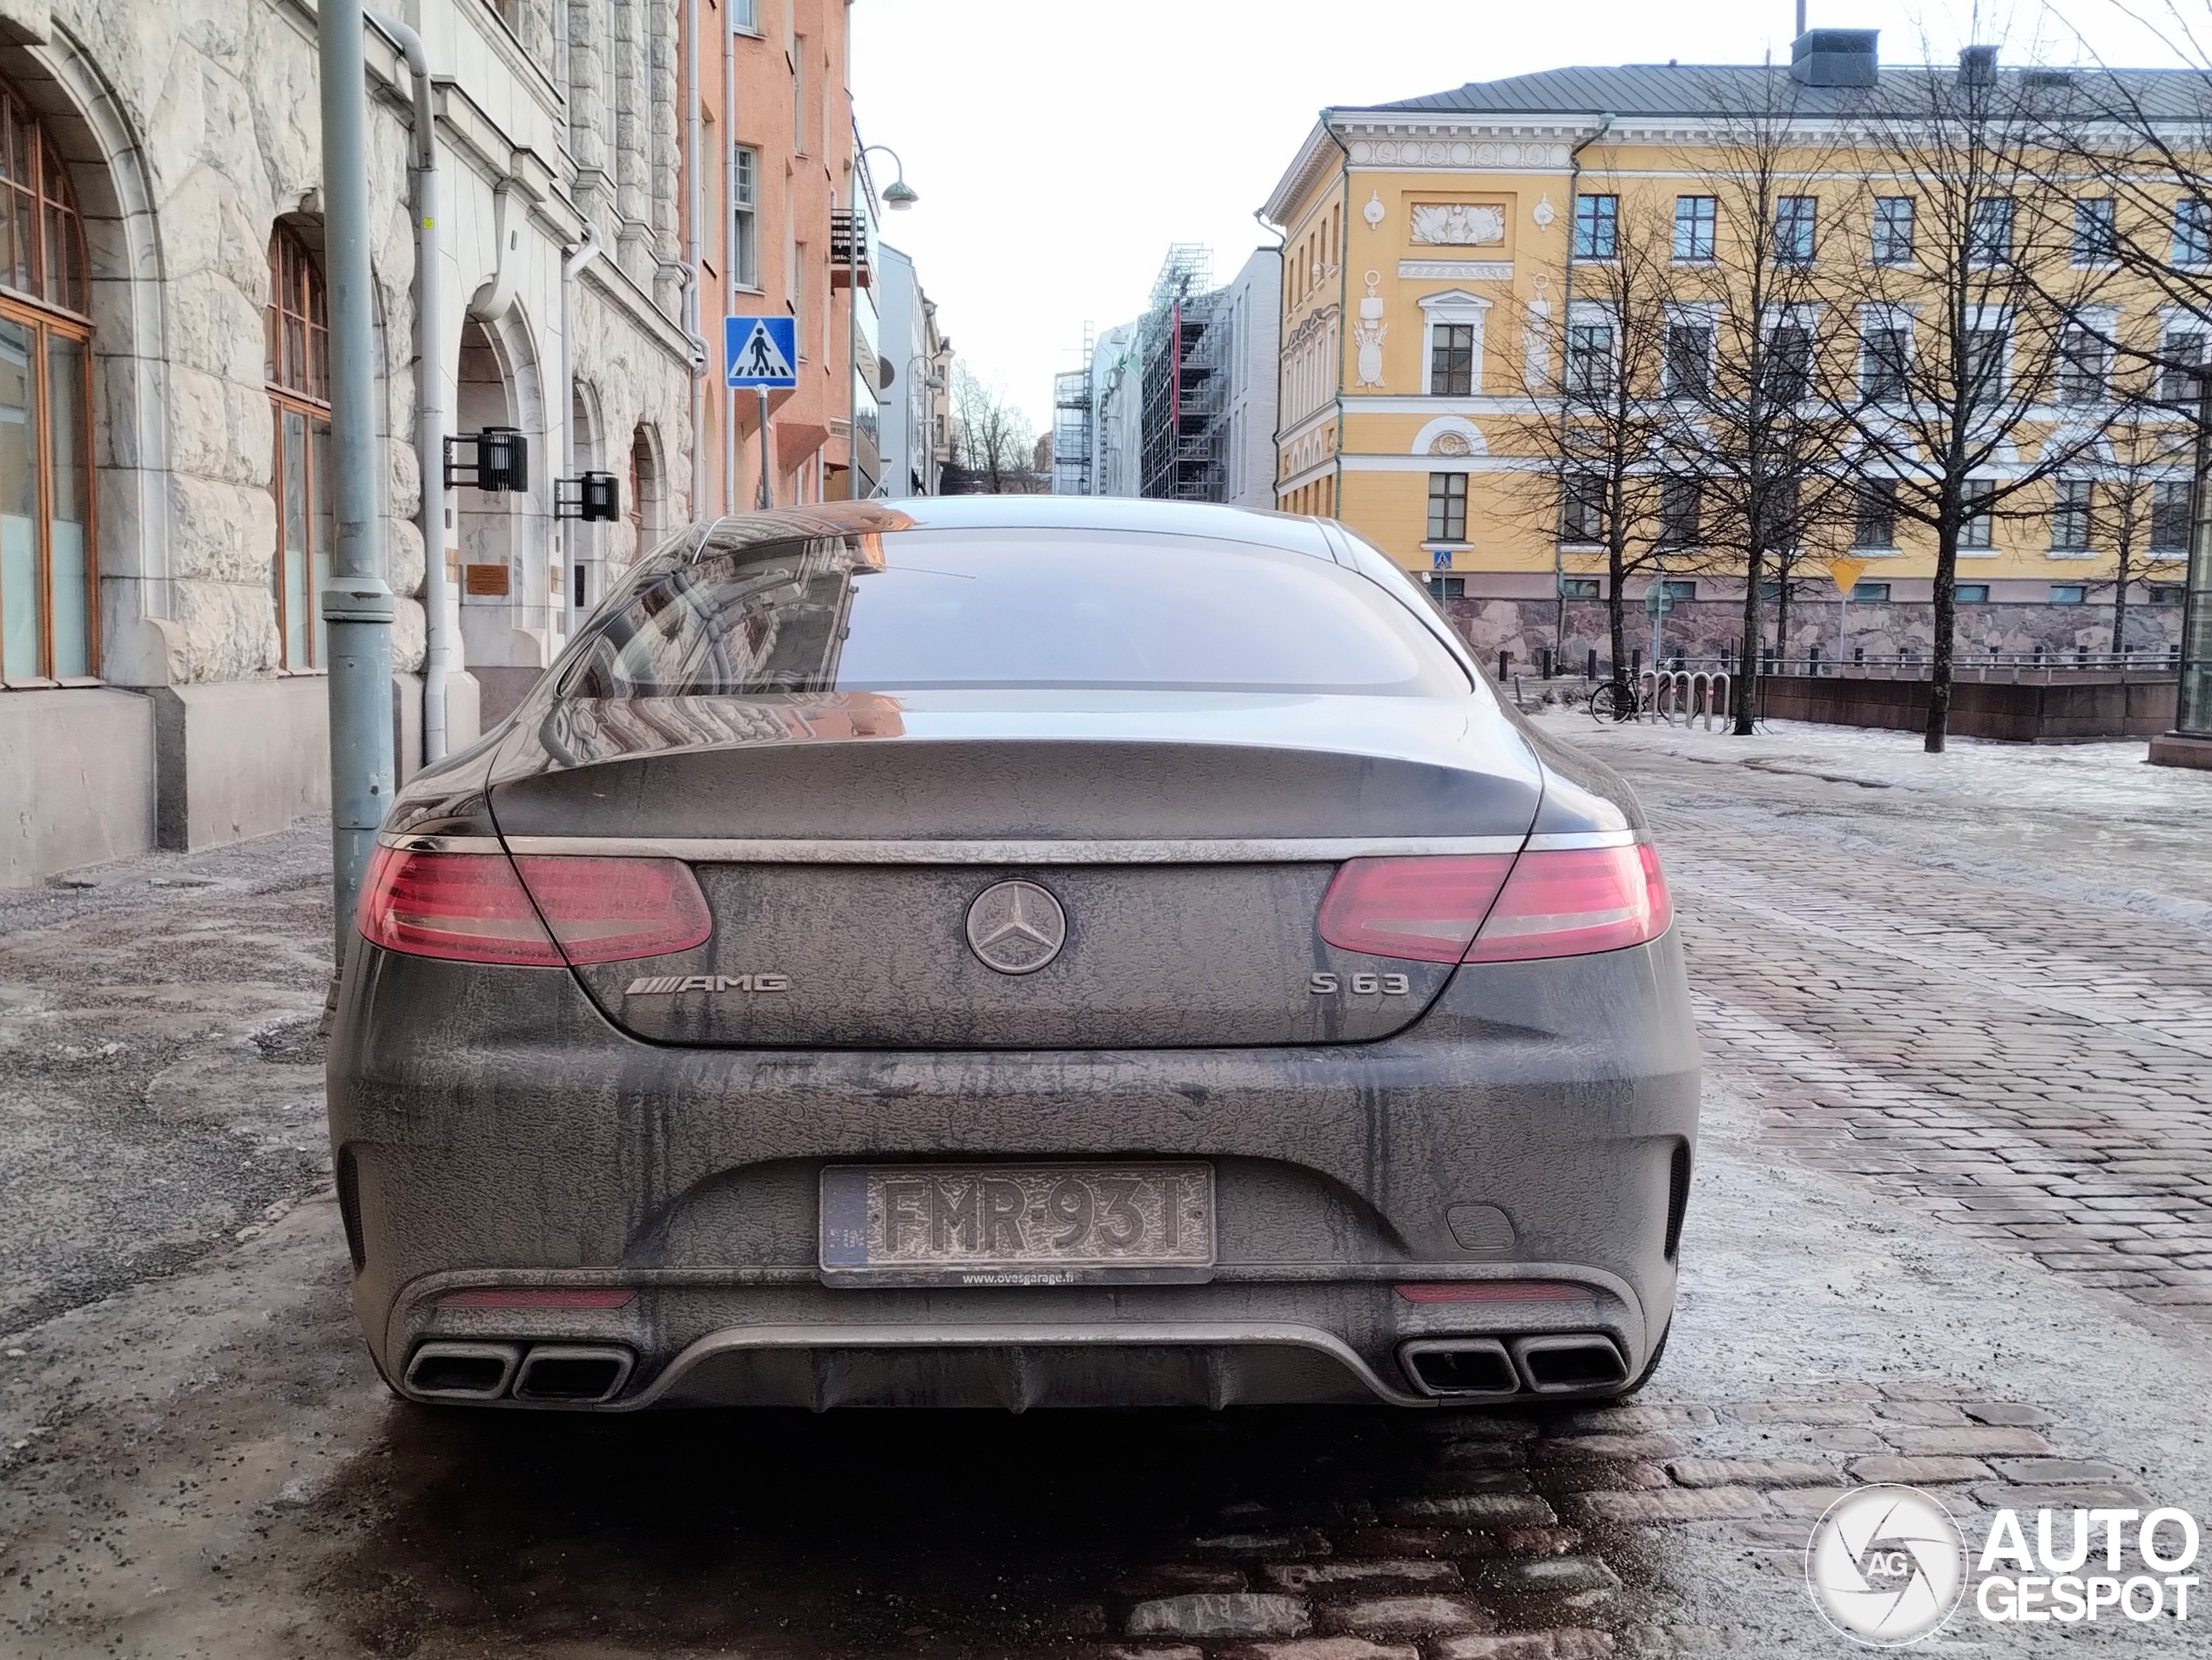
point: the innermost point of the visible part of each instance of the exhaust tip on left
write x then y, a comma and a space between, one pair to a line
1465, 1368
462, 1371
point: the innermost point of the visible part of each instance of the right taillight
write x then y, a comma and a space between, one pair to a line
486, 907
1568, 901
1497, 908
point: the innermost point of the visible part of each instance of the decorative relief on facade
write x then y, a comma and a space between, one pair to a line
1450, 444
1440, 153
1367, 333
1458, 224
1373, 211
1543, 213
1455, 270
1535, 336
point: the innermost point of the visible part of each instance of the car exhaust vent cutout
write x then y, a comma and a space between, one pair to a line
462, 1371
573, 1373
1569, 1361
1466, 1368
1677, 1196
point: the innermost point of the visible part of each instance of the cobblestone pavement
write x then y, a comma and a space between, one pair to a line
1955, 1026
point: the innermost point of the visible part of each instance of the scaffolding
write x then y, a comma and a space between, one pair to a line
1074, 427
1185, 351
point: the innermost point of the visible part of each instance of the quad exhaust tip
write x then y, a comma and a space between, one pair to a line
1484, 1368
462, 1371
573, 1374
1569, 1361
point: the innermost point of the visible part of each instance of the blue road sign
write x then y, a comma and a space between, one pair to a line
759, 351
1440, 558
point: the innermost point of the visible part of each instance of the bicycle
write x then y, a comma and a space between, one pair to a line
1617, 700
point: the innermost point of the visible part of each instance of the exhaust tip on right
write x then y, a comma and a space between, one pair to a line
1570, 1362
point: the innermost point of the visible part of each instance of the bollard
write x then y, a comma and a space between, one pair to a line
1589, 671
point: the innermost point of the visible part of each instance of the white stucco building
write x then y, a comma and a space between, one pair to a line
163, 418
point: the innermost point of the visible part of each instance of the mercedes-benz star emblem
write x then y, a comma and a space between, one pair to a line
1016, 928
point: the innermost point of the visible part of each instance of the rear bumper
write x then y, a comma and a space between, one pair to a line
494, 1132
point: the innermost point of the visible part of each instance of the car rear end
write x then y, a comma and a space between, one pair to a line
784, 1012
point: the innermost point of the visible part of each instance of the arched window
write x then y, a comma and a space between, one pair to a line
299, 377
49, 607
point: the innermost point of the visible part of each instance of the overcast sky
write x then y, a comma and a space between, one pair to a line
1060, 146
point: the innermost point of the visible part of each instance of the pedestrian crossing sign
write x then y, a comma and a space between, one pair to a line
759, 351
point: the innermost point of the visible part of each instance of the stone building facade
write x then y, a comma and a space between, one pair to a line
160, 525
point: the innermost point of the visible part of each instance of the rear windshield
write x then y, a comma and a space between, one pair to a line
921, 609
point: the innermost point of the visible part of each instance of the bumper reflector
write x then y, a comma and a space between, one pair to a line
539, 1297
1495, 1291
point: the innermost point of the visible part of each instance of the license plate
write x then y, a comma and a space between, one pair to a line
1018, 1224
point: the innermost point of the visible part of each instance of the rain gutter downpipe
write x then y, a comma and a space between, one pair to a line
1566, 344
587, 249
429, 392
1344, 302
357, 601
694, 193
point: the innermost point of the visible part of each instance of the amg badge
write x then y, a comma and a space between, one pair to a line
662, 985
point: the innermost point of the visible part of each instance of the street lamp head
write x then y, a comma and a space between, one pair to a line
898, 196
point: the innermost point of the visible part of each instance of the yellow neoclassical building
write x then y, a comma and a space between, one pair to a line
1427, 284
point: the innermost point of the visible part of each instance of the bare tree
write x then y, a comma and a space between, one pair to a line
993, 442
1601, 428
1762, 386
2132, 501
1975, 298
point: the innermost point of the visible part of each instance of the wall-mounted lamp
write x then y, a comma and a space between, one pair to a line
501, 460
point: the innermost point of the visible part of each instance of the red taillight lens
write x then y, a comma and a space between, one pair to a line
1425, 908
604, 910
477, 907
1570, 901
466, 907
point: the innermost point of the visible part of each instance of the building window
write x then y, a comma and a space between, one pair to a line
1874, 515
1590, 359
1870, 593
1892, 230
2070, 505
1578, 588
1974, 529
745, 240
1688, 359
2170, 515
1448, 507
1447, 587
744, 16
297, 370
1581, 509
1985, 364
2165, 593
1884, 355
1679, 589
1793, 218
1451, 360
2094, 238
2083, 366
1597, 226
1970, 593
2182, 351
798, 94
1989, 232
48, 580
2069, 593
2193, 231
1680, 501
1789, 363
1694, 217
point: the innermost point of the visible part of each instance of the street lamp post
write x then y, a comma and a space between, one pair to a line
898, 196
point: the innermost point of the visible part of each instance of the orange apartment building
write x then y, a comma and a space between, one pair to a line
772, 192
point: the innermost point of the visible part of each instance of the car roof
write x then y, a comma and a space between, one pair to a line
1290, 532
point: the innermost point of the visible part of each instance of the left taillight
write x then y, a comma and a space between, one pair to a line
531, 911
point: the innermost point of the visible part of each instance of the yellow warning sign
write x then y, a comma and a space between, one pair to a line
1844, 572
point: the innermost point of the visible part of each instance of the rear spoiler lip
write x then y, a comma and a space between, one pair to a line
1021, 851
